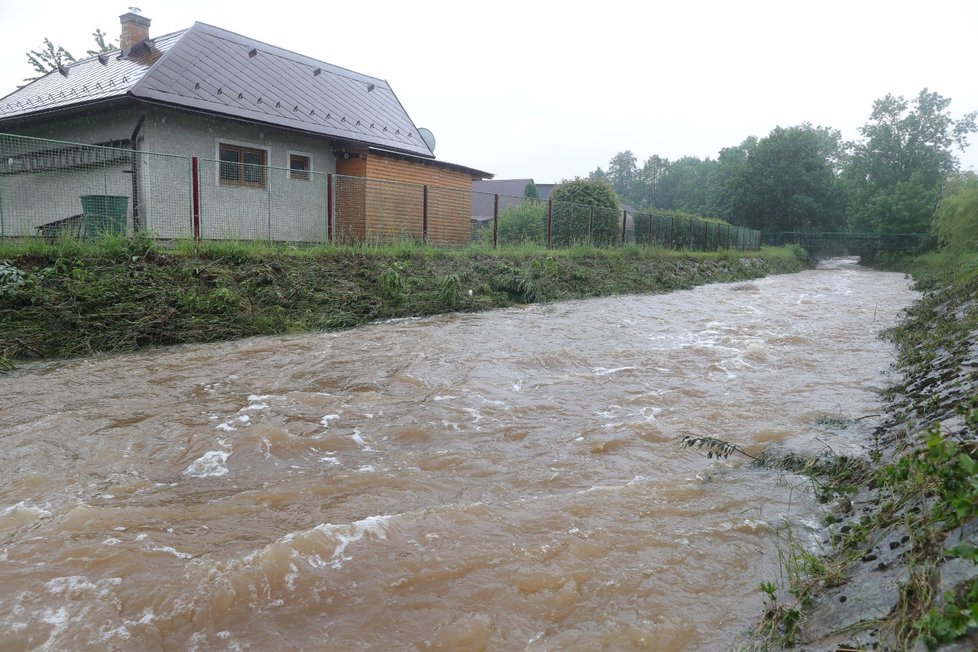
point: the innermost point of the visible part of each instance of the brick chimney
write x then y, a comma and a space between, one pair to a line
135, 28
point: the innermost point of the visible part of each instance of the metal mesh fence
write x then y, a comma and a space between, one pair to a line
54, 189
239, 201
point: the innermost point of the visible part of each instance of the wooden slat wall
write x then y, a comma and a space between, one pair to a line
386, 202
449, 198
351, 200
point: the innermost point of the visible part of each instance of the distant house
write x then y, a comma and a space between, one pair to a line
510, 191
240, 105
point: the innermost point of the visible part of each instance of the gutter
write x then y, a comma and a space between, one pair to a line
134, 144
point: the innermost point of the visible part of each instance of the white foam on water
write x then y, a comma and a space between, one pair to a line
173, 551
23, 509
357, 438
602, 371
375, 526
369, 468
226, 427
445, 398
209, 465
326, 419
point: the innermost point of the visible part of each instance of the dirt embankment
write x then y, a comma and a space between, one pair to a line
69, 301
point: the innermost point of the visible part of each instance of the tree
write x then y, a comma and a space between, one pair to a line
51, 57
48, 58
598, 175
684, 186
907, 147
786, 182
622, 172
530, 190
646, 189
956, 219
584, 210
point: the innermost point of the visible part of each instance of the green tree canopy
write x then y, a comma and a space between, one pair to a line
786, 182
645, 192
685, 185
622, 173
896, 173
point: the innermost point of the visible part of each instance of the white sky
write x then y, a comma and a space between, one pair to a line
551, 90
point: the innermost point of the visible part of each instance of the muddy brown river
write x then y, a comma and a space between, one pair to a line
500, 481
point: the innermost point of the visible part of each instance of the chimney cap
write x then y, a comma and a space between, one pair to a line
134, 16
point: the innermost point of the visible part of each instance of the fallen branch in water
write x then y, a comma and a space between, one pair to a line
714, 447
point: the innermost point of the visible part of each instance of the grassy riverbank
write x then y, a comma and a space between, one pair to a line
75, 298
900, 566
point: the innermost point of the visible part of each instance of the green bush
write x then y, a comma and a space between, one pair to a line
585, 210
524, 223
956, 220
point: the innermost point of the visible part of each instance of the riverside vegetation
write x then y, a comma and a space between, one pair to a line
898, 566
74, 298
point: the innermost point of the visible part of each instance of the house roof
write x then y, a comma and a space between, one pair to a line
507, 187
209, 69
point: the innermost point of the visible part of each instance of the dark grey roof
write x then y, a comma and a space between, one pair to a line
507, 187
210, 69
544, 190
87, 81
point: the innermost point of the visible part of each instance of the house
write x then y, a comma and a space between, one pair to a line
511, 192
264, 124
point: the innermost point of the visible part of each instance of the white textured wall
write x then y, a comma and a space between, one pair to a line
286, 209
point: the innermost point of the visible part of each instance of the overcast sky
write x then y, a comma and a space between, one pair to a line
551, 90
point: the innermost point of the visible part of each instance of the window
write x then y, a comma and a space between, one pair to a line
299, 167
242, 166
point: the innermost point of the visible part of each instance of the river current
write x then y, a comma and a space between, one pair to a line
510, 480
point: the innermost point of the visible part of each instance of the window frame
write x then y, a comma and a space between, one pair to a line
299, 175
242, 150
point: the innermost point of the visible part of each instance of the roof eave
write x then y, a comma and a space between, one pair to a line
73, 110
435, 162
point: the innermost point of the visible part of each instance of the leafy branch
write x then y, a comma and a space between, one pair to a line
50, 57
714, 447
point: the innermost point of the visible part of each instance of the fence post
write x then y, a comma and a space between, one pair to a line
550, 223
590, 226
624, 224
195, 190
672, 232
424, 215
651, 231
329, 208
495, 221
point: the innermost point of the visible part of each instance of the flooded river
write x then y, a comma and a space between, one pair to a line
501, 481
